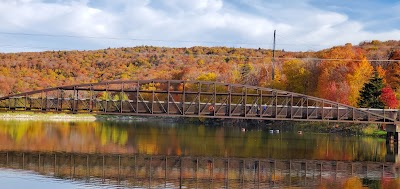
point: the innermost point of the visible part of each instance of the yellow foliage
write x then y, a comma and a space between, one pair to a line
277, 82
352, 183
200, 62
120, 96
381, 73
296, 76
361, 74
210, 76
150, 86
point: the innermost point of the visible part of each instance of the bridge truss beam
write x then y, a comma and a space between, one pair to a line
190, 99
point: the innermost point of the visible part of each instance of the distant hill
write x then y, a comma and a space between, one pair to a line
319, 73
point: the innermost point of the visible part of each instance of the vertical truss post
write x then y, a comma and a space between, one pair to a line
46, 104
291, 106
384, 115
41, 101
137, 96
368, 115
229, 100
74, 100
245, 101
398, 115
91, 99
198, 94
77, 100
168, 96
106, 106
276, 104
338, 111
61, 99
9, 103
307, 108
26, 100
152, 98
183, 97
58, 100
260, 109
30, 103
215, 98
121, 96
323, 110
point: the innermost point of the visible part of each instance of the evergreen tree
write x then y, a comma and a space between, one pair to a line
371, 92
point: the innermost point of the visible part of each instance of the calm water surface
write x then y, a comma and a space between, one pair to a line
157, 154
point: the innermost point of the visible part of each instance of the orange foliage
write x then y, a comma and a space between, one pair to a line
339, 77
343, 74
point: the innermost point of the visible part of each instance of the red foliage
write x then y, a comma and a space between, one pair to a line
388, 97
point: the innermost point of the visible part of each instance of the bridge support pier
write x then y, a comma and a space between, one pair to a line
392, 135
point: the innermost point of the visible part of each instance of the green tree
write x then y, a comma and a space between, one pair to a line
371, 92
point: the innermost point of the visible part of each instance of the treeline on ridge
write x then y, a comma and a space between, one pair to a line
338, 73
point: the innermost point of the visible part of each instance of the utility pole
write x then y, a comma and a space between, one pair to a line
273, 57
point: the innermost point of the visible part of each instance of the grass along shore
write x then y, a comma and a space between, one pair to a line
34, 116
49, 116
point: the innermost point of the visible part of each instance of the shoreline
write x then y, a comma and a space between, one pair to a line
18, 116
38, 116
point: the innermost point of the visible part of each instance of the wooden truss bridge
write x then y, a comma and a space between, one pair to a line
190, 99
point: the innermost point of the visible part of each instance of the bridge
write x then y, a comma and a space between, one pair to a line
155, 171
191, 99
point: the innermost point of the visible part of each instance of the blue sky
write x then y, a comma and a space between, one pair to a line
302, 25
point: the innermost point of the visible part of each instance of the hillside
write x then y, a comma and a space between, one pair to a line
337, 73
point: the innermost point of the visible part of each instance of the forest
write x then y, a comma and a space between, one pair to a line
348, 74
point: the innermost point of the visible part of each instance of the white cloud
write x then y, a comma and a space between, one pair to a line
51, 18
300, 25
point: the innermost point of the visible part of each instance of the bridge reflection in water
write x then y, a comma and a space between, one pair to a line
192, 172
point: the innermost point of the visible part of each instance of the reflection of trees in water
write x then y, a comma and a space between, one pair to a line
183, 139
74, 136
201, 172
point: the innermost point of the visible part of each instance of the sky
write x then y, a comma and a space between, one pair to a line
301, 25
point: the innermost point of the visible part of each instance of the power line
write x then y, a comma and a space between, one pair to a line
132, 39
153, 40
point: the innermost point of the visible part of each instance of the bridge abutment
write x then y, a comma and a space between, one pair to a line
392, 135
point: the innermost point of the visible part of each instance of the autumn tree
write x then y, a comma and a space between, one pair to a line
360, 72
246, 74
296, 76
381, 73
393, 75
370, 95
210, 76
388, 97
338, 77
277, 82
343, 73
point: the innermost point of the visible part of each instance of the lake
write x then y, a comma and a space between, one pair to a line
163, 154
